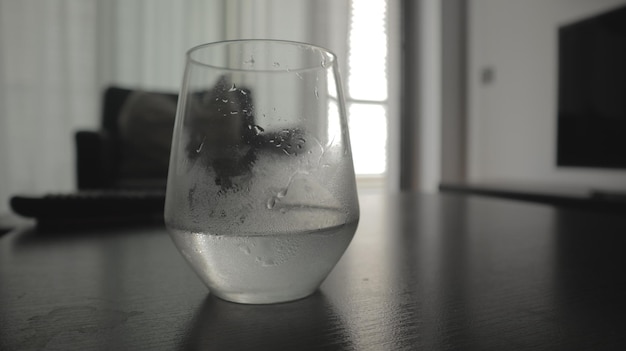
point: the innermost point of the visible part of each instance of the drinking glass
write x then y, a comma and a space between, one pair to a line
261, 197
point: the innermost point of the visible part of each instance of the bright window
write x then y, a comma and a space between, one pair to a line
366, 96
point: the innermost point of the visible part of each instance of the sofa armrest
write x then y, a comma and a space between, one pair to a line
94, 160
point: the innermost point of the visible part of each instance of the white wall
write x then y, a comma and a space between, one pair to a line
512, 120
420, 129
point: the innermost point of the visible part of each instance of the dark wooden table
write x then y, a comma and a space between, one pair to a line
434, 272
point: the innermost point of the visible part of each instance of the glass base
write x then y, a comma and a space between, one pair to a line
262, 298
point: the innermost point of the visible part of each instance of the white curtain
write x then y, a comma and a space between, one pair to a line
48, 88
57, 56
142, 42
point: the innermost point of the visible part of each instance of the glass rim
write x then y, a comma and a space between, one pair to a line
332, 58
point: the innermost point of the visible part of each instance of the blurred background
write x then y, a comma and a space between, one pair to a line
437, 91
58, 56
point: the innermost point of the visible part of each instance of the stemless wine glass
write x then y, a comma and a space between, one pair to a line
261, 197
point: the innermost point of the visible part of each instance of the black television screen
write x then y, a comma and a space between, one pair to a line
591, 127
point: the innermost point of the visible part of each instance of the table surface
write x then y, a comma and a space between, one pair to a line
434, 272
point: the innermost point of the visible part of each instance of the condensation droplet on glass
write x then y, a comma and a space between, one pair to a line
299, 76
271, 202
243, 92
286, 152
268, 262
281, 193
258, 129
245, 249
201, 145
233, 88
276, 64
224, 100
250, 61
317, 93
234, 112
